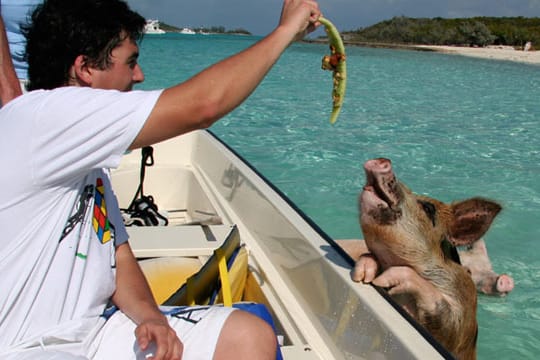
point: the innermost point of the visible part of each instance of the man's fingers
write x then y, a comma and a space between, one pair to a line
143, 339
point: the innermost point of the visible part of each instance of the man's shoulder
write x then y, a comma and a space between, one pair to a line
81, 91
78, 103
66, 96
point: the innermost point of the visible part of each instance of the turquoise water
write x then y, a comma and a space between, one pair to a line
454, 127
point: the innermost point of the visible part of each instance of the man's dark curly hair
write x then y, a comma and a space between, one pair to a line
61, 30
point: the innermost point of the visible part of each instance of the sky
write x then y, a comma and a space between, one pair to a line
260, 16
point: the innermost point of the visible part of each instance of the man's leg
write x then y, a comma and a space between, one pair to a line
214, 332
246, 336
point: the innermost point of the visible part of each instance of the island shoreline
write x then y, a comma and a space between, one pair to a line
501, 53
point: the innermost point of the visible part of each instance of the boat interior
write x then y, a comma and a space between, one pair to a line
222, 214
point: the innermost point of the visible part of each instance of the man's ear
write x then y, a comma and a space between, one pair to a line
81, 72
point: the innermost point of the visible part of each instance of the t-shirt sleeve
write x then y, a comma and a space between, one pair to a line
80, 129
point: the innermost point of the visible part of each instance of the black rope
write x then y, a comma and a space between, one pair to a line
147, 154
142, 207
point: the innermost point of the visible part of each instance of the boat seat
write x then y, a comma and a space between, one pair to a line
174, 241
184, 280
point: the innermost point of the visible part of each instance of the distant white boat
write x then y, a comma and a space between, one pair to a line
187, 31
152, 27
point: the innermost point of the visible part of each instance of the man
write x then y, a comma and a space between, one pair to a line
59, 267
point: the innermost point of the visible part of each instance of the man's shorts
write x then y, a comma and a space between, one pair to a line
198, 327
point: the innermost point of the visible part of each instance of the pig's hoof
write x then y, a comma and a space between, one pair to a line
365, 269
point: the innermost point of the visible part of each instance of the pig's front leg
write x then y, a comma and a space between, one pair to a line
365, 269
406, 282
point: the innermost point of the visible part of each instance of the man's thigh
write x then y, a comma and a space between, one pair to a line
197, 327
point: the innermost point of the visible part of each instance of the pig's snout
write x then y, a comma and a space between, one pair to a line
380, 165
505, 284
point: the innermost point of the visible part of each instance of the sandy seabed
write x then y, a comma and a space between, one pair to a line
495, 53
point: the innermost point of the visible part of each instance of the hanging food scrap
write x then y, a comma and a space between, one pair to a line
335, 62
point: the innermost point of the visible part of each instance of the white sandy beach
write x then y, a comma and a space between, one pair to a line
493, 52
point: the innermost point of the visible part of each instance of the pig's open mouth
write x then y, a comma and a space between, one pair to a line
381, 182
378, 192
381, 196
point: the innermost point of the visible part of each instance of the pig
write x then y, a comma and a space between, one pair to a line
473, 257
412, 242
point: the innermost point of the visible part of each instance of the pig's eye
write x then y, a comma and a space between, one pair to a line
429, 209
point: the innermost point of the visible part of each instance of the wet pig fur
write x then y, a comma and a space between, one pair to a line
411, 241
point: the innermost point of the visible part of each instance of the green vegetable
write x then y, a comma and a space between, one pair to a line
335, 62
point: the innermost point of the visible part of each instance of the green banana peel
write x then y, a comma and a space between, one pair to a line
335, 62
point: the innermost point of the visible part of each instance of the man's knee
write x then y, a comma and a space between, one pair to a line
246, 335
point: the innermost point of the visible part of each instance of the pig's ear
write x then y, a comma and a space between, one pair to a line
471, 219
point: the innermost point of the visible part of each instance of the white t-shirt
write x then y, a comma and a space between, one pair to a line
59, 219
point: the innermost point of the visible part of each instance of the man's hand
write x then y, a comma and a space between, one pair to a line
169, 347
300, 14
134, 298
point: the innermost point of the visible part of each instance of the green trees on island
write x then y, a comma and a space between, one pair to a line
478, 31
